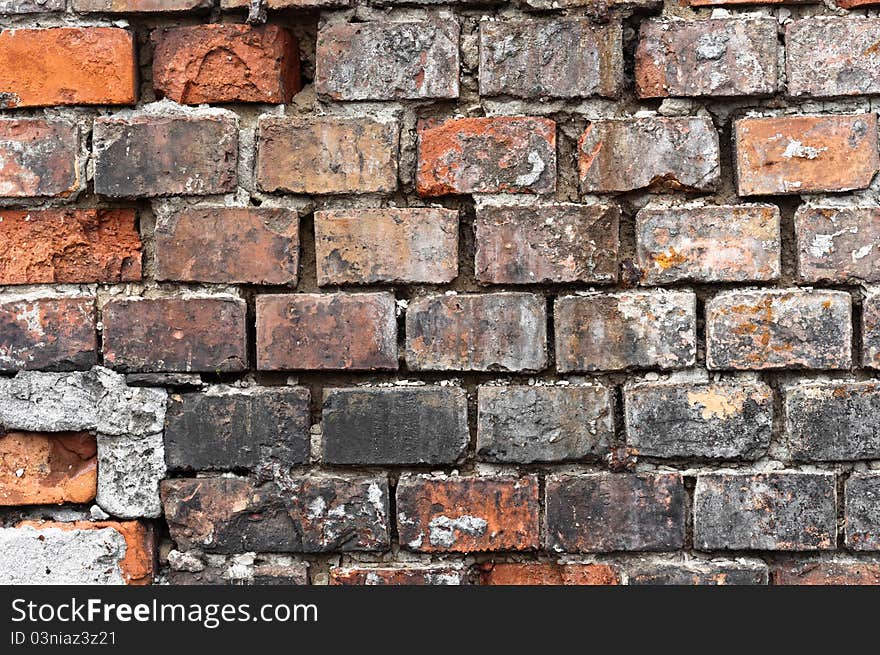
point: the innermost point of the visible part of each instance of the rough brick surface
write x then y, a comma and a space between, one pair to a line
863, 511
635, 329
784, 328
837, 244
725, 243
411, 575
30, 6
131, 469
549, 574
136, 6
871, 328
827, 573
39, 158
47, 469
287, 4
546, 243
743, 572
241, 569
805, 154
559, 58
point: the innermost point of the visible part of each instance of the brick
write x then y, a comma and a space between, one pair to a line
471, 332
228, 245
394, 426
723, 243
765, 511
369, 246
138, 6
778, 328
833, 421
76, 66
632, 329
30, 6
131, 469
51, 333
398, 576
836, 244
201, 334
546, 243
245, 569
852, 4
715, 57
225, 63
542, 5
467, 514
504, 154
344, 331
229, 429
832, 56
388, 61
286, 4
164, 155
47, 469
805, 154
559, 58
46, 246
836, 572
863, 511
531, 423
871, 328
548, 573
697, 572
307, 514
656, 154
605, 512
327, 155
716, 3
40, 158
82, 552
724, 420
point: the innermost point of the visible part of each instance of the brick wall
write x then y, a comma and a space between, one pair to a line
437, 292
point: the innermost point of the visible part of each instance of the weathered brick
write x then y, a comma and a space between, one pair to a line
649, 153
833, 421
504, 154
148, 154
131, 469
778, 328
724, 420
698, 572
40, 158
559, 58
828, 572
45, 246
397, 576
225, 62
532, 244
632, 329
232, 429
327, 155
805, 154
30, 6
51, 333
304, 514
47, 469
471, 332
543, 5
604, 512
75, 66
228, 245
785, 510
202, 334
349, 331
852, 4
394, 426
715, 57
526, 424
837, 244
714, 3
548, 573
245, 569
286, 4
717, 243
388, 61
832, 56
138, 6
862, 501
871, 328
468, 514
366, 246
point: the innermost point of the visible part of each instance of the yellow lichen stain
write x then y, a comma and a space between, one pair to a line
670, 259
716, 403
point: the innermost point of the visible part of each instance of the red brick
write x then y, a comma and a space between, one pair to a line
506, 154
138, 6
465, 514
649, 153
546, 573
716, 57
398, 576
38, 158
228, 245
48, 469
829, 572
200, 334
75, 66
805, 154
46, 246
51, 333
838, 244
327, 155
225, 63
852, 4
533, 244
345, 331
366, 246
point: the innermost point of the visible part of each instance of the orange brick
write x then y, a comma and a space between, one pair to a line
827, 573
543, 573
48, 469
38, 158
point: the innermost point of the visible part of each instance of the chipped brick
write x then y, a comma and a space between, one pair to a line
548, 573
837, 244
862, 501
698, 572
38, 158
47, 469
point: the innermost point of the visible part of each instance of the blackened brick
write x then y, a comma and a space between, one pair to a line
863, 511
